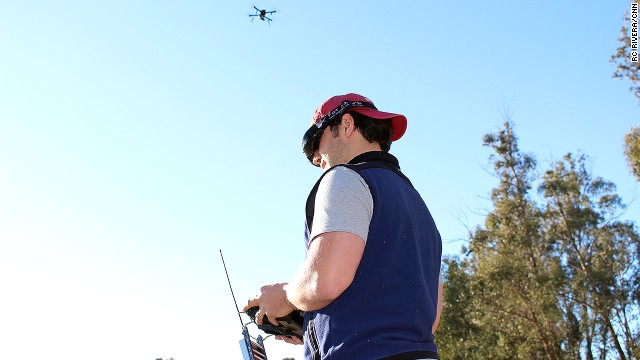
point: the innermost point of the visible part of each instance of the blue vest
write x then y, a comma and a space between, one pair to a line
389, 308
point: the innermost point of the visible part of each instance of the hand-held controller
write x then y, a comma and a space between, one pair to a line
289, 325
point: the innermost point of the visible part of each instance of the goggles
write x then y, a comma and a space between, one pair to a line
311, 138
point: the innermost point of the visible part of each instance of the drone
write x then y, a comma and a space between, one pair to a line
262, 14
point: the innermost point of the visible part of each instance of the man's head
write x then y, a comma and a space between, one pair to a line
356, 112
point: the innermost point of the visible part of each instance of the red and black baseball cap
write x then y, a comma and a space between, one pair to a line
333, 109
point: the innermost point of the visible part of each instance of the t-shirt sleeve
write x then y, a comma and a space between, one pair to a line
343, 203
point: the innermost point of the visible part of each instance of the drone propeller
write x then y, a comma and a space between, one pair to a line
262, 14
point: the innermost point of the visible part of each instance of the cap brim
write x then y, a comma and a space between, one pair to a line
398, 122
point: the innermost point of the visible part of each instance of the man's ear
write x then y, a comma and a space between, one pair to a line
347, 125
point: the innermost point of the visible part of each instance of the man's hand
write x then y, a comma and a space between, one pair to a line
290, 339
272, 301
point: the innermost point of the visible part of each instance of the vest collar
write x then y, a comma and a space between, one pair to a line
376, 156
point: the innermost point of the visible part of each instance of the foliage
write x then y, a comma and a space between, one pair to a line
632, 151
599, 254
630, 70
552, 274
457, 336
625, 68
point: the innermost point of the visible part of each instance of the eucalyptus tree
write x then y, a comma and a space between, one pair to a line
459, 334
599, 256
552, 273
511, 277
632, 150
625, 68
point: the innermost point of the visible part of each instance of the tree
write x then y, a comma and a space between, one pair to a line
513, 311
512, 258
552, 274
599, 256
458, 336
632, 150
625, 68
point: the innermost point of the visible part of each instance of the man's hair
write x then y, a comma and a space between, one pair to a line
373, 130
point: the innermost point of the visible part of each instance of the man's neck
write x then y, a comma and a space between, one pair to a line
364, 146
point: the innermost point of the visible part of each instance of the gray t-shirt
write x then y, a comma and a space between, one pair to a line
343, 203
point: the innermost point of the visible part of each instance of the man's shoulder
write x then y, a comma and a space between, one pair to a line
342, 176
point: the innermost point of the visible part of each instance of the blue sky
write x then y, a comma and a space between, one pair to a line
137, 139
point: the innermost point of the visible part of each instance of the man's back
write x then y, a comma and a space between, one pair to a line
392, 302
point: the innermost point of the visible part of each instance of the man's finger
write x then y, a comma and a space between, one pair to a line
292, 340
258, 317
272, 320
250, 303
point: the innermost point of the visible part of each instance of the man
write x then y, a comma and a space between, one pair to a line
369, 283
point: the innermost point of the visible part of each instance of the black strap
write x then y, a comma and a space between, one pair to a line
368, 160
413, 355
344, 106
